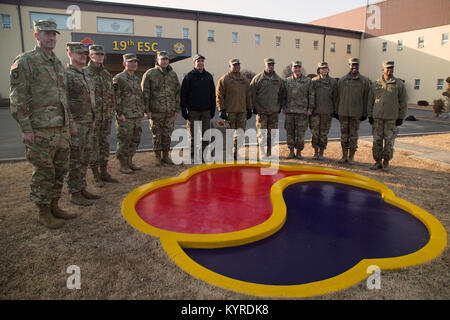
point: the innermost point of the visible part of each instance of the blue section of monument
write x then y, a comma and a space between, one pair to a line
329, 228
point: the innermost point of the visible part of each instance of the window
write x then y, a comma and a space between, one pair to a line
186, 34
349, 48
6, 21
420, 42
297, 43
333, 47
277, 41
399, 45
444, 39
417, 84
316, 45
440, 84
159, 31
59, 19
384, 47
234, 37
115, 25
257, 39
211, 35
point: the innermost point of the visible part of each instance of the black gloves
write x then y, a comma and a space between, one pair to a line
398, 122
371, 120
336, 115
249, 114
254, 111
223, 114
184, 113
363, 118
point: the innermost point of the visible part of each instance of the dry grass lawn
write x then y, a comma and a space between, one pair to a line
119, 262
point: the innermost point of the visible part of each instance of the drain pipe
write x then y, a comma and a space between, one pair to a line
20, 26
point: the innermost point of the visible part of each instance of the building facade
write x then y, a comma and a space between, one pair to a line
413, 33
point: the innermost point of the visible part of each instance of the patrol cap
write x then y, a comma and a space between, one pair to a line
296, 63
96, 48
269, 60
388, 64
163, 54
77, 47
198, 56
353, 60
45, 25
234, 61
322, 65
130, 57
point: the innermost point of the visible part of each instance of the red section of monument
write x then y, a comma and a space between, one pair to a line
214, 201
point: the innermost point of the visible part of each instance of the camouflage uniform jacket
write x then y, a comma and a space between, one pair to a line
130, 101
388, 100
81, 95
325, 95
233, 93
299, 96
38, 92
161, 89
105, 100
267, 93
353, 95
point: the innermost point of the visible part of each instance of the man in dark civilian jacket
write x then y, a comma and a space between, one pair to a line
198, 100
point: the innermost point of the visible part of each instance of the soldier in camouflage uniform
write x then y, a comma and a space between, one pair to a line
267, 91
353, 91
387, 108
161, 90
325, 99
233, 99
297, 106
130, 110
105, 104
81, 97
39, 104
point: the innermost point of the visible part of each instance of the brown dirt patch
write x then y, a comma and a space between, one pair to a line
441, 143
119, 262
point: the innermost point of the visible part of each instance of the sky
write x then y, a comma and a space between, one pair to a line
302, 11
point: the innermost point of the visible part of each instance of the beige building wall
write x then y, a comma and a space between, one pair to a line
428, 64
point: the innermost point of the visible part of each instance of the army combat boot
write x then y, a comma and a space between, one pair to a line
89, 196
158, 160
385, 164
291, 154
47, 219
376, 165
98, 181
166, 158
351, 157
299, 154
124, 166
321, 154
344, 158
131, 164
316, 154
60, 213
105, 176
78, 199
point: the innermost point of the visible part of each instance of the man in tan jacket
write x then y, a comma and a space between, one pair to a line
233, 100
387, 107
353, 91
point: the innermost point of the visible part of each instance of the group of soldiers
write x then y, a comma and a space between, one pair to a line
65, 114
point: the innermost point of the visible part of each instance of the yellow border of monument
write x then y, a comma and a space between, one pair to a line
174, 242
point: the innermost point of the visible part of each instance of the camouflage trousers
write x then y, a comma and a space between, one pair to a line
100, 144
49, 156
296, 125
320, 125
237, 120
162, 125
198, 116
267, 121
128, 137
384, 133
349, 132
80, 153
